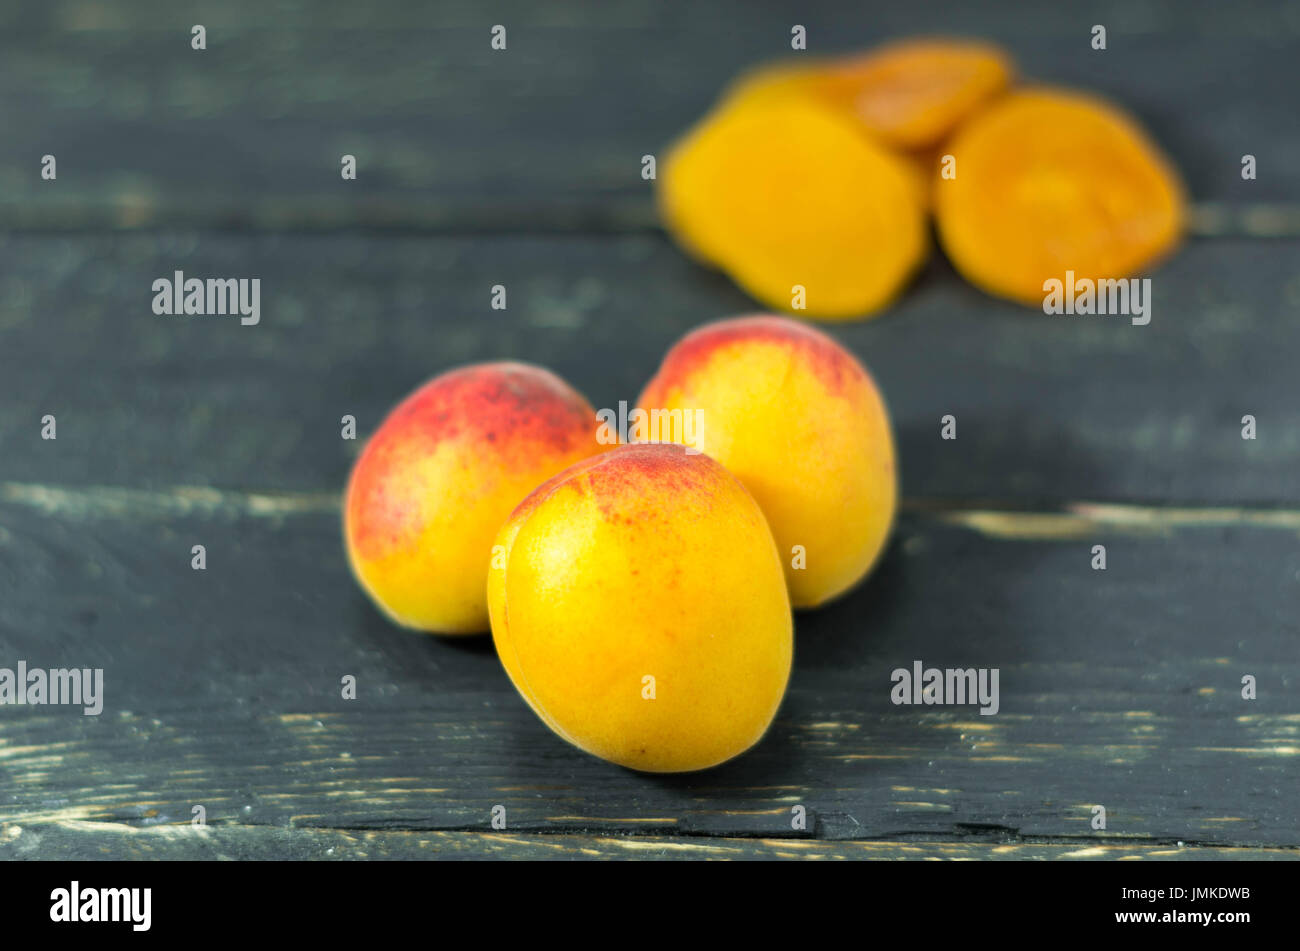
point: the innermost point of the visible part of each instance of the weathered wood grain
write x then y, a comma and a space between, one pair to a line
1049, 409
548, 134
1118, 688
82, 841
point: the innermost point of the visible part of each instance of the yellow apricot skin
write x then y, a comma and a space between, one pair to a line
638, 607
444, 470
786, 193
909, 94
1050, 180
802, 424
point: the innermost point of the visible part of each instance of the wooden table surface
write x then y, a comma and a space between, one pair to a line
222, 687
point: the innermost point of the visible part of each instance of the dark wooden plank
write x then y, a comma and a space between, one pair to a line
1118, 688
1049, 409
549, 133
83, 841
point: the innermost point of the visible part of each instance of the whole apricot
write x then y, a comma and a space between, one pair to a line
638, 606
440, 475
801, 423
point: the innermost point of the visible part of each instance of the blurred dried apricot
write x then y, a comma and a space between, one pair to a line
1049, 180
910, 94
797, 205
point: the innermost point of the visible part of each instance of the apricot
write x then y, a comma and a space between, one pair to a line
440, 475
801, 423
909, 94
1047, 181
638, 606
797, 206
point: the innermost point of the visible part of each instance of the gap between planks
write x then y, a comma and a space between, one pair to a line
605, 215
1068, 521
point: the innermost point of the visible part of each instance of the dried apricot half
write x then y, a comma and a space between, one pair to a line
910, 94
1049, 180
801, 209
